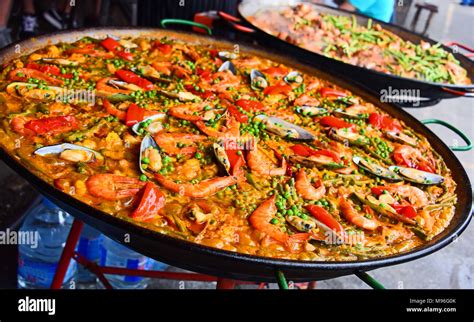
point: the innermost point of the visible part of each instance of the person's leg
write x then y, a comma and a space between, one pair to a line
53, 17
29, 21
59, 16
67, 13
5, 13
29, 7
5, 36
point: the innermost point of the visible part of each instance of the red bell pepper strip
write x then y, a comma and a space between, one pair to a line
48, 69
407, 211
110, 44
325, 217
241, 117
384, 122
249, 105
235, 158
132, 78
135, 114
164, 48
124, 55
115, 47
52, 125
277, 89
276, 71
213, 53
204, 74
302, 150
327, 92
152, 201
328, 153
306, 151
405, 160
112, 110
335, 122
377, 190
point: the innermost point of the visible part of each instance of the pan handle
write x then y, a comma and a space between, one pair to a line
467, 48
466, 139
234, 22
459, 92
281, 280
369, 280
164, 22
228, 17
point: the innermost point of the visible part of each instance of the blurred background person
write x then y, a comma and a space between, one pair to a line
5, 33
59, 15
378, 9
29, 20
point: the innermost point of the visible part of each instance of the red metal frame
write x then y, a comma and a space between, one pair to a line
100, 271
467, 48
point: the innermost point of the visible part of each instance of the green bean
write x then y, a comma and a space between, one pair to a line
439, 205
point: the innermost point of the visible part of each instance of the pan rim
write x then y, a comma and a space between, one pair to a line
367, 264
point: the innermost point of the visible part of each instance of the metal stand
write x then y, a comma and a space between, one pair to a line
100, 271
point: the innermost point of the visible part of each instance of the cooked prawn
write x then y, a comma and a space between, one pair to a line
306, 100
260, 220
163, 67
406, 155
202, 189
223, 80
306, 189
359, 109
187, 112
259, 164
168, 142
231, 129
415, 196
181, 72
18, 125
113, 187
356, 218
23, 74
104, 87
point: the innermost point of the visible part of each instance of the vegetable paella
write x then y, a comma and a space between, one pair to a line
223, 148
370, 46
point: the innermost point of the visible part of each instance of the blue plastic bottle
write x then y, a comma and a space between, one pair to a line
49, 227
116, 255
89, 247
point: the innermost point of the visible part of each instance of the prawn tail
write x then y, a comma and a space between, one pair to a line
295, 241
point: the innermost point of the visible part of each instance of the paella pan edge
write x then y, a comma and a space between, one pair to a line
228, 264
